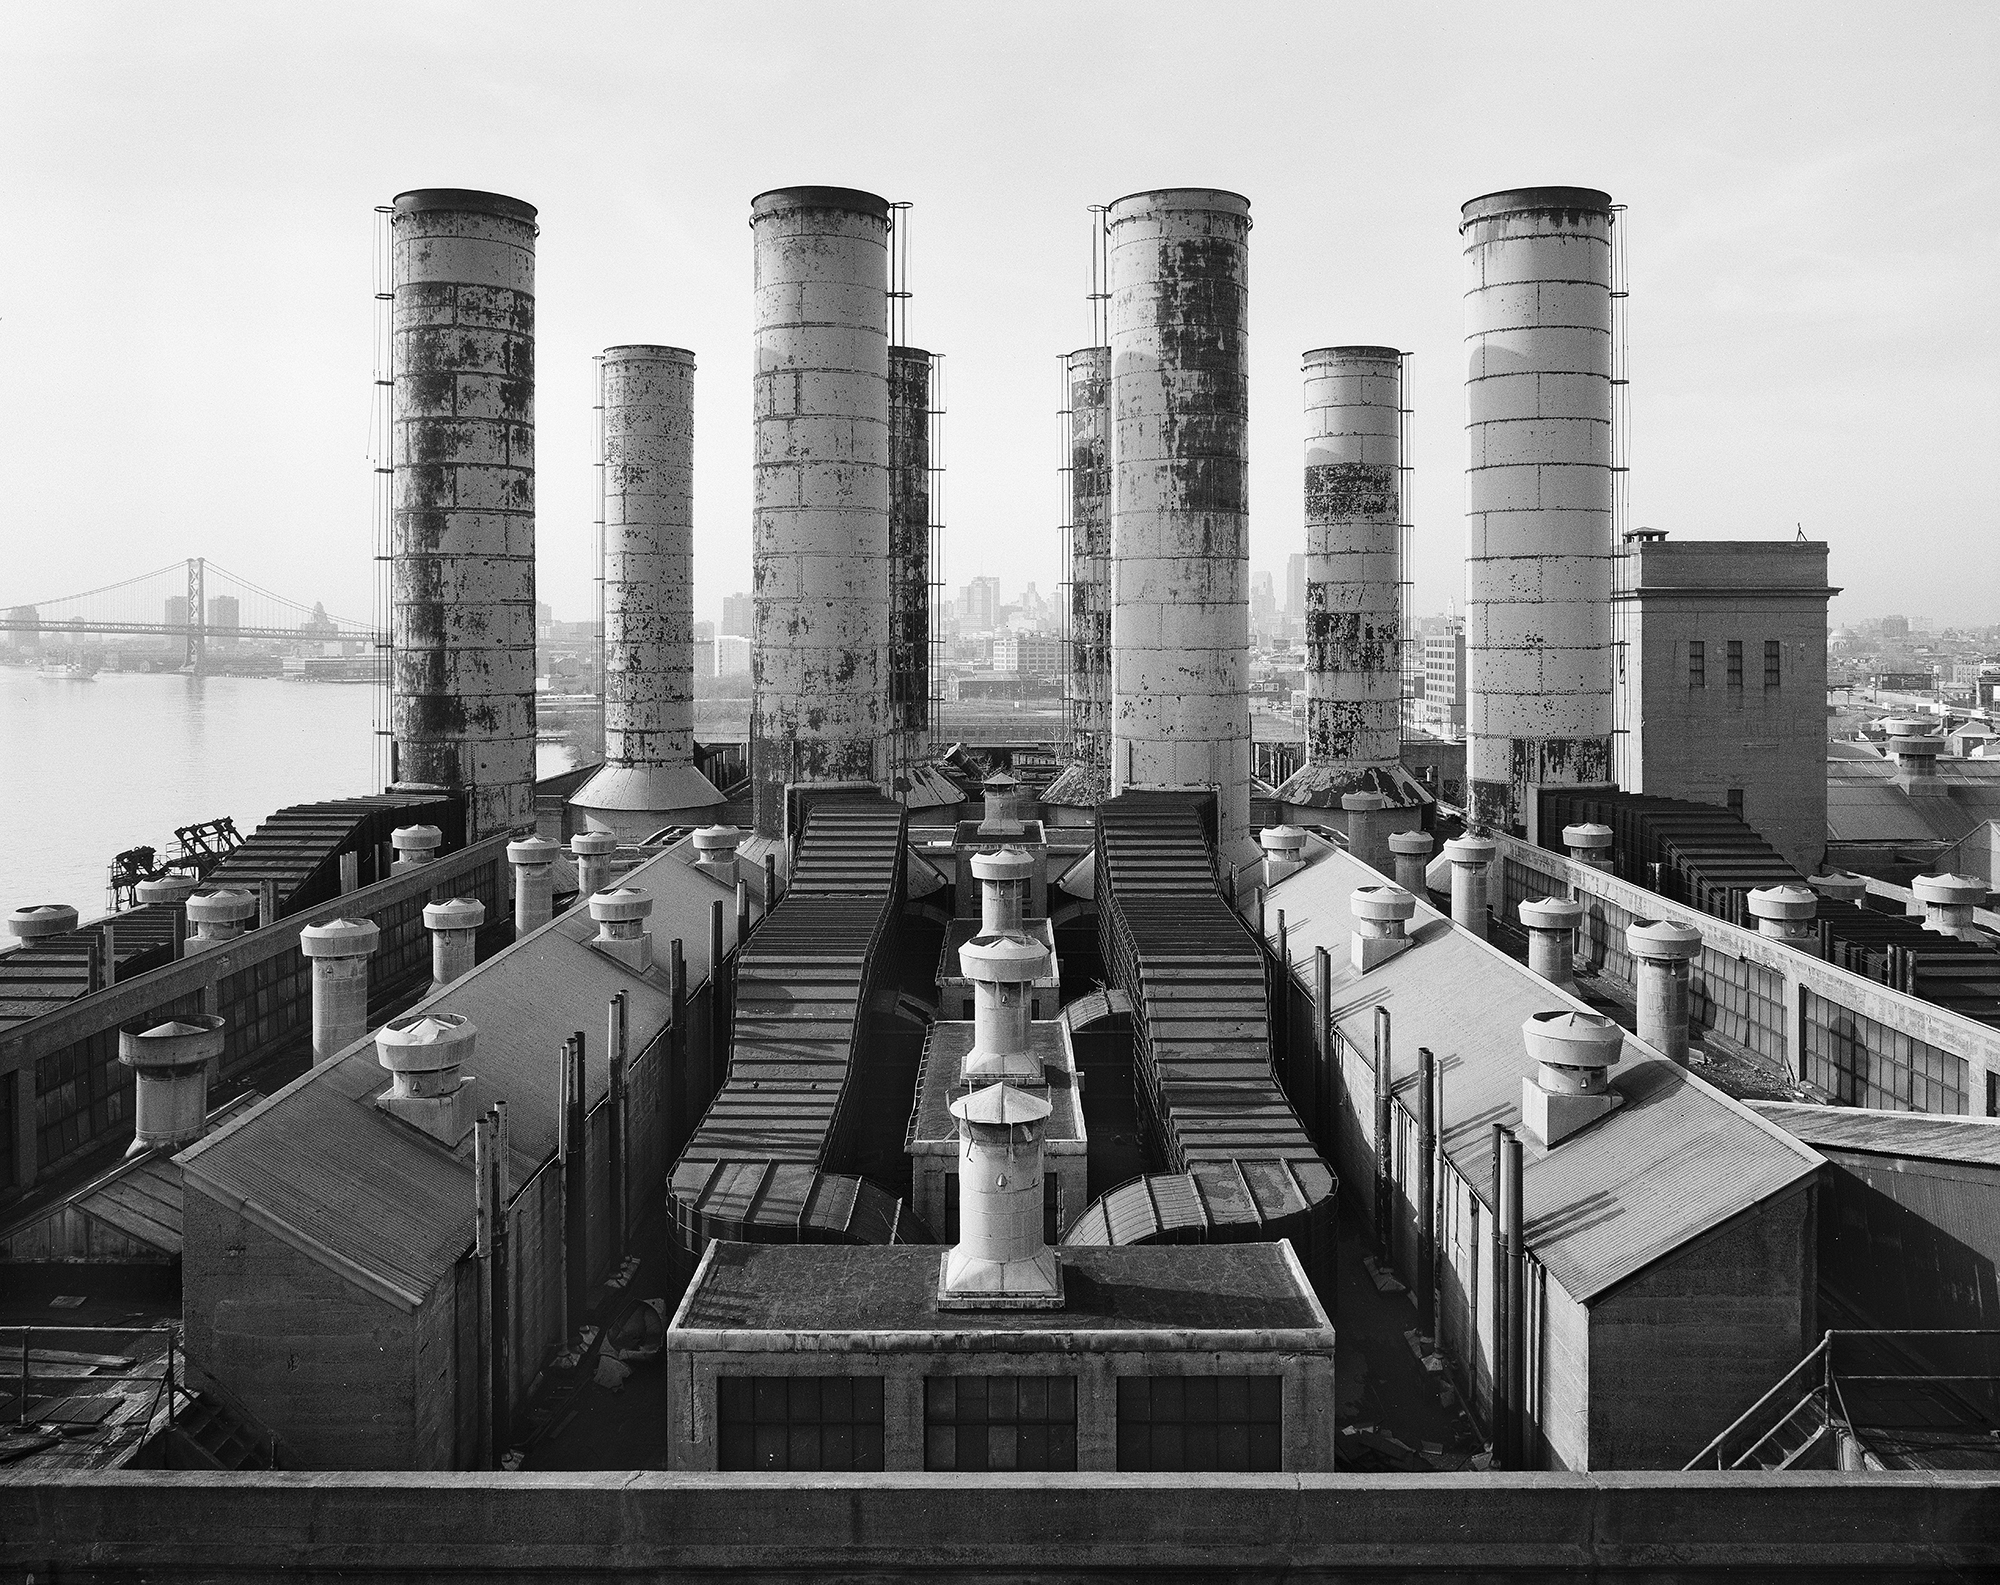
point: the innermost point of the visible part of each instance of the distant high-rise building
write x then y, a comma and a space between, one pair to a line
732, 655
1030, 654
223, 612
1895, 627
1440, 707
1295, 584
738, 612
704, 630
980, 603
176, 610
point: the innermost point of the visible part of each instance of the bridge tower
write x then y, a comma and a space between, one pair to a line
197, 615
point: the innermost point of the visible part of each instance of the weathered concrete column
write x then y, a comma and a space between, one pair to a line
1589, 843
1470, 858
1354, 575
1662, 951
219, 916
454, 927
463, 555
1003, 970
339, 950
1948, 903
40, 920
1284, 852
1003, 890
1088, 680
534, 861
820, 523
1839, 886
1180, 598
1368, 828
1000, 1259
170, 1066
592, 851
1539, 558
1381, 924
908, 664
620, 915
1551, 923
415, 846
1787, 913
1412, 853
649, 777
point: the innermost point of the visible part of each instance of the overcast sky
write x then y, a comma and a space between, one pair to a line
185, 308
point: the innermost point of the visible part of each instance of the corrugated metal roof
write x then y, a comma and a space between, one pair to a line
1974, 1141
1863, 804
319, 1165
1677, 1159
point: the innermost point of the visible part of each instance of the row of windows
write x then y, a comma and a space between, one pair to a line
1698, 663
999, 1422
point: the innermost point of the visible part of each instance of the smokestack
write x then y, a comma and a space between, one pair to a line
909, 557
648, 779
1571, 1086
1001, 1260
170, 1063
454, 927
339, 951
1539, 557
820, 528
1354, 574
463, 547
1787, 913
1551, 923
1367, 827
415, 846
1180, 608
1088, 685
1661, 952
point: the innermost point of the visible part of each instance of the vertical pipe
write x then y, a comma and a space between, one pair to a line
714, 942
1088, 679
500, 1331
614, 1046
770, 880
1180, 607
1502, 1260
1517, 1408
1384, 1171
482, 1248
909, 652
742, 912
820, 523
463, 527
1323, 1044
576, 1186
1427, 1138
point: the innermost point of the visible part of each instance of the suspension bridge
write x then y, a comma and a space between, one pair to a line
195, 601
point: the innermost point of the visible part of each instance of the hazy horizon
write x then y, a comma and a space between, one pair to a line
186, 318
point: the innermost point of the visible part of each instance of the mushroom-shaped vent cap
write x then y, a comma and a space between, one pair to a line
1786, 901
424, 1042
1471, 850
191, 1038
999, 781
1573, 1040
167, 889
717, 839
1416, 843
532, 850
340, 938
1662, 939
1282, 840
1009, 864
41, 919
1008, 959
1960, 891
1588, 835
1363, 802
416, 839
221, 907
1551, 913
455, 913
620, 905
998, 1105
1840, 886
1382, 903
593, 844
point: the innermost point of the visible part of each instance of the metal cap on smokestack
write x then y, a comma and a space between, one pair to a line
463, 534
1381, 924
170, 1063
1839, 886
1284, 852
1001, 1260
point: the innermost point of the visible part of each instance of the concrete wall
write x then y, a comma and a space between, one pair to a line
1539, 562
463, 536
1699, 742
820, 523
167, 1527
1682, 1349
1180, 567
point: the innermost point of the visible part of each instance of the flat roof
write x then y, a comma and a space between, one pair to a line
939, 1084
893, 1288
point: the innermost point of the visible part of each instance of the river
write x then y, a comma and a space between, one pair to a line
91, 767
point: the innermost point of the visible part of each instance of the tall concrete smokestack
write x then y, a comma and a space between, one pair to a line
1354, 577
463, 545
1539, 558
1180, 607
1087, 681
909, 554
649, 778
820, 533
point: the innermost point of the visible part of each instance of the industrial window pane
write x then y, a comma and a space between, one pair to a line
1773, 662
798, 1422
1000, 1422
1197, 1423
1697, 664
1736, 663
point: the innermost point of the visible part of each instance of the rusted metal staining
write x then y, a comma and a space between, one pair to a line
647, 396
820, 527
1354, 514
1180, 612
463, 548
909, 553
1088, 680
1539, 557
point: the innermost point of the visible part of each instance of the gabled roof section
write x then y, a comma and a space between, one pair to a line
1922, 1136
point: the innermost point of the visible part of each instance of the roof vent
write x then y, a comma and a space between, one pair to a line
171, 1062
1948, 903
219, 916
715, 851
1915, 748
592, 851
1787, 912
1412, 852
621, 927
37, 920
1000, 1261
1589, 843
1003, 890
1003, 970
415, 846
1380, 914
1003, 806
424, 1051
1839, 886
1571, 1085
1284, 852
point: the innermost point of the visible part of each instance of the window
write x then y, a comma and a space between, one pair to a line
1000, 1422
1866, 1063
1993, 1094
1773, 653
1736, 663
1734, 798
1199, 1423
798, 1422
1697, 664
